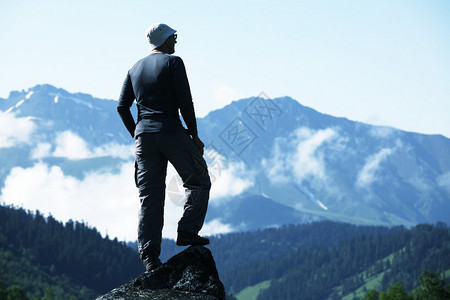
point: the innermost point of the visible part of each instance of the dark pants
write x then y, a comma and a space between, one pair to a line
153, 151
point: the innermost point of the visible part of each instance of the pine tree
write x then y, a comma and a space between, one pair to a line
432, 287
395, 292
2, 291
16, 292
48, 294
371, 295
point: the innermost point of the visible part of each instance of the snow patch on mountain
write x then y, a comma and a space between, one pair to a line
322, 205
74, 99
19, 103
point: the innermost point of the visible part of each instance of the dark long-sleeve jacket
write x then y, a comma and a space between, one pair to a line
160, 87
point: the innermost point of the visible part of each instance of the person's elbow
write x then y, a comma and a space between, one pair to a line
186, 105
122, 109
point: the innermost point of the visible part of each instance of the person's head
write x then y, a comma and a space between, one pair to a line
161, 37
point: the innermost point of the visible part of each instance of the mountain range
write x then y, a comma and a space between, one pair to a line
271, 161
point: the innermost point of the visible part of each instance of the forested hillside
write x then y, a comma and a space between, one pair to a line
348, 268
327, 260
38, 252
321, 260
432, 287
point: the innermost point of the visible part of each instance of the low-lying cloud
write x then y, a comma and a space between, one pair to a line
443, 181
15, 130
107, 201
104, 200
228, 179
71, 146
300, 155
229, 182
216, 227
368, 173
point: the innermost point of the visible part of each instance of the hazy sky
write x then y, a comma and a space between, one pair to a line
381, 62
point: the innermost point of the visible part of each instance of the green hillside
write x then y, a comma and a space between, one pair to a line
350, 268
72, 259
321, 260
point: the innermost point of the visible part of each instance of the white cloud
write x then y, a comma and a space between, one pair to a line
42, 150
231, 181
107, 201
381, 131
301, 156
367, 175
71, 146
114, 150
225, 183
15, 130
228, 179
444, 181
307, 161
215, 227
276, 165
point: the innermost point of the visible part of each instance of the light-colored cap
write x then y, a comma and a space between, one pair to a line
157, 34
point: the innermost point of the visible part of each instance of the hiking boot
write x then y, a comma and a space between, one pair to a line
152, 264
186, 238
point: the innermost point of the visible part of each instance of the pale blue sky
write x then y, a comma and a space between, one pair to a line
381, 62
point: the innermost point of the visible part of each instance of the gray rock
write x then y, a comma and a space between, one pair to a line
191, 274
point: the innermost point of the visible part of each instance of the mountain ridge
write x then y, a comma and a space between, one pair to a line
316, 165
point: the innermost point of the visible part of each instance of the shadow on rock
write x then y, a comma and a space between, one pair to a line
191, 274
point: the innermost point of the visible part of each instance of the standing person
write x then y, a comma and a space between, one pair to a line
160, 87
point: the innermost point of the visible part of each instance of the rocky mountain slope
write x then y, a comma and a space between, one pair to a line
272, 161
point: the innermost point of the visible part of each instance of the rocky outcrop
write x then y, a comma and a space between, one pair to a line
191, 274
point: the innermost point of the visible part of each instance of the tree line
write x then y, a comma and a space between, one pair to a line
332, 271
320, 260
37, 252
432, 287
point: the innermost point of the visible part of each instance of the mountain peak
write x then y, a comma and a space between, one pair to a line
45, 88
79, 113
39, 88
311, 164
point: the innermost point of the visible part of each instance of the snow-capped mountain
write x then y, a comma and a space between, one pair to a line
53, 110
332, 167
272, 161
74, 131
